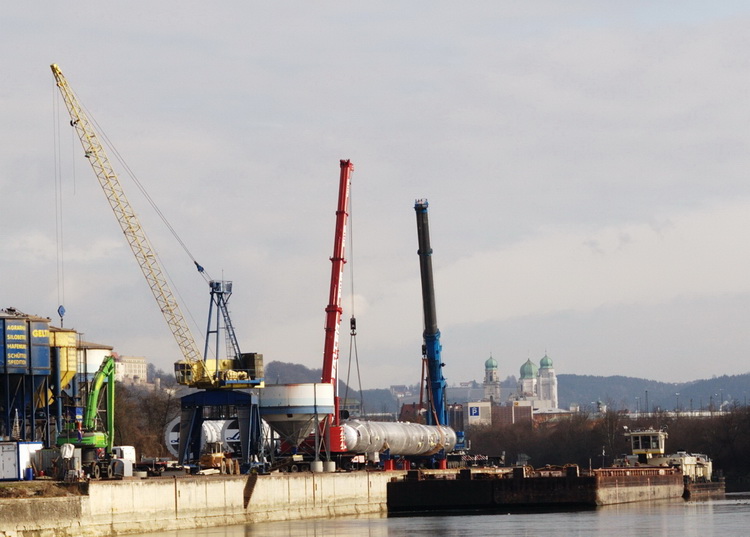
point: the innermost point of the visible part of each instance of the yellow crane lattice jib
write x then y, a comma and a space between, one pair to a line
128, 221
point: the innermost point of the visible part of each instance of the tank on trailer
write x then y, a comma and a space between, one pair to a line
399, 438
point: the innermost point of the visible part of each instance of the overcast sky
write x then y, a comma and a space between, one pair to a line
586, 165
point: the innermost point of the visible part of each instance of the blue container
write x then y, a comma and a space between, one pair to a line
40, 351
28, 474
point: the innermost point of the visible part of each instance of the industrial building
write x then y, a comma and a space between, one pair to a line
42, 370
25, 374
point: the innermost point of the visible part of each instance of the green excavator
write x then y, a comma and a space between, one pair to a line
85, 430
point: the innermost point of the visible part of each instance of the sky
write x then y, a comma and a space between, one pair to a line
585, 164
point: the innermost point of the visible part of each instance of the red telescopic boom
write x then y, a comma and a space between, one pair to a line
333, 311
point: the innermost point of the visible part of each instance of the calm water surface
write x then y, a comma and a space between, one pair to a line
719, 518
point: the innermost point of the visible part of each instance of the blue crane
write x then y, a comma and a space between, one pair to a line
431, 348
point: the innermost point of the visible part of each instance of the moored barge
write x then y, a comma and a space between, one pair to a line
646, 475
524, 487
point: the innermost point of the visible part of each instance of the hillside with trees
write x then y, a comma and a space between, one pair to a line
637, 394
617, 392
141, 418
595, 440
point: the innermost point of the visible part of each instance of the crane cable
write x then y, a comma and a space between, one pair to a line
353, 319
105, 139
161, 215
59, 235
146, 195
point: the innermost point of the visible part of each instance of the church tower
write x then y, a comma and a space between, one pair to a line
547, 381
527, 384
491, 380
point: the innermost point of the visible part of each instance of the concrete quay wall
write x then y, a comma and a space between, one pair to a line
145, 505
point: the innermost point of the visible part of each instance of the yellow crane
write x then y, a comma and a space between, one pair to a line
242, 371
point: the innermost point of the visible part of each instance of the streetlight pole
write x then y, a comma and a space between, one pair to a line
677, 406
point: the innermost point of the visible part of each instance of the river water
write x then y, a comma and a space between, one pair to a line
711, 518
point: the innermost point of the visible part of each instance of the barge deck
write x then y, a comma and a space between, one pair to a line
523, 488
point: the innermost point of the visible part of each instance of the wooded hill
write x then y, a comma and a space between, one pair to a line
620, 392
617, 392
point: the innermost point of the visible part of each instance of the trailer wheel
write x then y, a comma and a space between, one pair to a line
294, 468
95, 472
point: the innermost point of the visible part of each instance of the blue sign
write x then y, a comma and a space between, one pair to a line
473, 411
16, 346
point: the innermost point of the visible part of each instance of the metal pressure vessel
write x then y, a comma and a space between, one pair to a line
224, 431
402, 438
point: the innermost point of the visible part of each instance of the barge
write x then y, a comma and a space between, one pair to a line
699, 480
646, 475
523, 487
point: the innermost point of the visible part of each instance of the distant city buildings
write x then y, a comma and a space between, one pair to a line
535, 392
128, 369
532, 396
491, 383
537, 385
131, 369
400, 391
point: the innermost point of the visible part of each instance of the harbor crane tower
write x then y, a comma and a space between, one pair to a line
217, 379
195, 370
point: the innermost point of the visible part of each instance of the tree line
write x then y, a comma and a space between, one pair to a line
141, 418
595, 440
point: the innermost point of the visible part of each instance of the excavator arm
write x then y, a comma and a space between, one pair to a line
106, 372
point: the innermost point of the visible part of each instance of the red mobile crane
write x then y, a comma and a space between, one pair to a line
333, 310
353, 438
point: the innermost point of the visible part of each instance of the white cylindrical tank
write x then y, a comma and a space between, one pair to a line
211, 433
172, 437
402, 438
291, 410
230, 434
225, 431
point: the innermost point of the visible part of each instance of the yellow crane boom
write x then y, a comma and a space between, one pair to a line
192, 370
